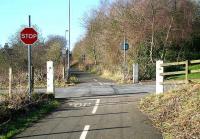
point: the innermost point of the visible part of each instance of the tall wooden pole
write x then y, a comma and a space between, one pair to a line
10, 82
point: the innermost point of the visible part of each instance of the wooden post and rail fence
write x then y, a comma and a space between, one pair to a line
160, 73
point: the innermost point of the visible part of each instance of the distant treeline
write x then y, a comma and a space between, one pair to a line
14, 54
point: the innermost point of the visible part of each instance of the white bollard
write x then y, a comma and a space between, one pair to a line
50, 77
135, 73
159, 78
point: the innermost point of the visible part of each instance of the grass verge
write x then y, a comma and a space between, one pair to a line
182, 77
23, 118
190, 75
112, 76
175, 113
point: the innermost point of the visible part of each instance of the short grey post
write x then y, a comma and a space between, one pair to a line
159, 77
186, 71
10, 82
50, 78
124, 57
135, 73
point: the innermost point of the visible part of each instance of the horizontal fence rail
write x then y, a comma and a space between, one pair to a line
186, 64
173, 73
195, 61
173, 64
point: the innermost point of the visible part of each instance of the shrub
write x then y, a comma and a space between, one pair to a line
176, 113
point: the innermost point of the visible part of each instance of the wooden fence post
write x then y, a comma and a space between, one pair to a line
10, 82
186, 71
32, 78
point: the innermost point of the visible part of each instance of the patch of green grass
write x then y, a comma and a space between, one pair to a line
182, 77
21, 122
190, 76
194, 67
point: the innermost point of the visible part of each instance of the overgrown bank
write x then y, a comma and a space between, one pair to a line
165, 30
175, 113
18, 113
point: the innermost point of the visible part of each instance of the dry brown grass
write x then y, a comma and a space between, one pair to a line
115, 76
19, 102
175, 113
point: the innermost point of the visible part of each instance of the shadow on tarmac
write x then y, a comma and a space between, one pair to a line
75, 131
78, 116
103, 96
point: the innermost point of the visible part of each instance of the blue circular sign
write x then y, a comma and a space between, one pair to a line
125, 46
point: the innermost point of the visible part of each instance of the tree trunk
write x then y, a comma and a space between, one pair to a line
166, 39
95, 56
152, 35
152, 42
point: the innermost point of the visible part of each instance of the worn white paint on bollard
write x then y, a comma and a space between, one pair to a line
50, 77
159, 78
135, 73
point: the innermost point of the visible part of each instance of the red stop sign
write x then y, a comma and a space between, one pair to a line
28, 36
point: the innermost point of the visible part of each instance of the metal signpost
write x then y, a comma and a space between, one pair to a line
64, 54
63, 51
29, 36
125, 47
68, 54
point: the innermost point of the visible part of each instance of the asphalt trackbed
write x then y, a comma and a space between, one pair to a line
96, 109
